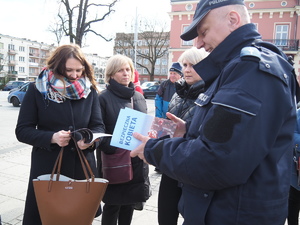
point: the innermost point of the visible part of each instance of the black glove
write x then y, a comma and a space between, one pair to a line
106, 147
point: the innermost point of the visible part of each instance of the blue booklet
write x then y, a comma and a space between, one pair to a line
130, 121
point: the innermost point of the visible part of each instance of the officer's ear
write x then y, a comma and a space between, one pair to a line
234, 19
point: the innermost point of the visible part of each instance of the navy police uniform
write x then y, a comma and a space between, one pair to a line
234, 162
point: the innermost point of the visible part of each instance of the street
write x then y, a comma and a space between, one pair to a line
8, 121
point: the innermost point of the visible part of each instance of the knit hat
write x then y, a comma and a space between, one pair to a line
203, 8
176, 68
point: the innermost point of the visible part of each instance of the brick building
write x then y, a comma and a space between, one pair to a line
277, 21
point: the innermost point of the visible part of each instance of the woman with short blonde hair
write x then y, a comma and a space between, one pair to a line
120, 199
115, 63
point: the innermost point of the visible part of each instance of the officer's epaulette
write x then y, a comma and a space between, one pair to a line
250, 53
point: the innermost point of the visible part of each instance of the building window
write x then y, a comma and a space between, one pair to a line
22, 69
283, 3
146, 61
11, 68
11, 57
157, 62
131, 52
21, 48
251, 5
157, 71
31, 60
139, 70
31, 70
21, 59
1, 45
164, 62
11, 47
185, 43
145, 71
281, 35
188, 7
164, 71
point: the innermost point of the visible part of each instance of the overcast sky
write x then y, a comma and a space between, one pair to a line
31, 18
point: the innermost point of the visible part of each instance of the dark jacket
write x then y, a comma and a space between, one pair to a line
38, 120
234, 163
296, 151
163, 97
115, 97
182, 103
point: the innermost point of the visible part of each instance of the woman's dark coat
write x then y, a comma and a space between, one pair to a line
114, 98
182, 103
38, 120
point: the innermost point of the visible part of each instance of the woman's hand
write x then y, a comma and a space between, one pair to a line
83, 146
61, 138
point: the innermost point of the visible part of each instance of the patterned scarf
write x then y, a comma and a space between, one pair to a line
55, 90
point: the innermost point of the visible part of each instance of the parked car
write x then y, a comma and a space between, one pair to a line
17, 88
148, 84
151, 91
16, 97
12, 84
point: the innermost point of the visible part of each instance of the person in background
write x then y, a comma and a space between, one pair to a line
294, 194
183, 106
166, 90
121, 199
137, 83
233, 159
63, 98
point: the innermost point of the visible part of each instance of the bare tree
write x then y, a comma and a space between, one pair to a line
155, 45
57, 29
76, 21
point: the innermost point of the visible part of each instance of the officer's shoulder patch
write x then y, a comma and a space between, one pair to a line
250, 52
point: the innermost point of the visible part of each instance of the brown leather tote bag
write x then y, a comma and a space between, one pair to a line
62, 200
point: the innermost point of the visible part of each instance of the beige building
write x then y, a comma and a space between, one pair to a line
23, 59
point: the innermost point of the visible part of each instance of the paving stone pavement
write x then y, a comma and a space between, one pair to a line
14, 172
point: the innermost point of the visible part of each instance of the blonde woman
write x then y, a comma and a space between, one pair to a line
120, 199
181, 105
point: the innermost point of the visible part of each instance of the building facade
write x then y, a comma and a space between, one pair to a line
98, 63
23, 59
276, 20
149, 53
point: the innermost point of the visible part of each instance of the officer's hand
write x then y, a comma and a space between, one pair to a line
139, 151
180, 125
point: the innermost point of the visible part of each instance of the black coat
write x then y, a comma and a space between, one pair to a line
114, 98
38, 120
182, 103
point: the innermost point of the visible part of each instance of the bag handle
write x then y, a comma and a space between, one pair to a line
57, 165
84, 163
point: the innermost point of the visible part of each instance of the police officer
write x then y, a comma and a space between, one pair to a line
234, 161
